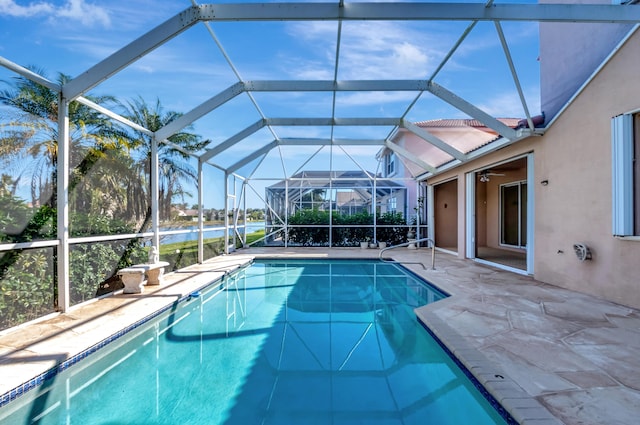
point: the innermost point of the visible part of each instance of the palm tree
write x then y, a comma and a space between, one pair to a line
30, 136
34, 135
174, 168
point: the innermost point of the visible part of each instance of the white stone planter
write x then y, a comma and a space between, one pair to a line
382, 245
373, 245
364, 245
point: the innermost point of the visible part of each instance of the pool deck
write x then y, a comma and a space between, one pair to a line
549, 355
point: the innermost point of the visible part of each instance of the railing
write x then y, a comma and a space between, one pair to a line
433, 252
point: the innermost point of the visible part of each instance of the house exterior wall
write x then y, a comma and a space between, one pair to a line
574, 155
402, 172
569, 53
576, 206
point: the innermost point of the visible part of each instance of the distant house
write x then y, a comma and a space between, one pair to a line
187, 215
348, 192
343, 192
564, 206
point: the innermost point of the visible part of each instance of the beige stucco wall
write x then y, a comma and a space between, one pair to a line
574, 155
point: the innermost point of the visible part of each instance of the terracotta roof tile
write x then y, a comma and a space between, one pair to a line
511, 122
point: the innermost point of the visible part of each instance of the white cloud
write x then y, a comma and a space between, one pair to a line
374, 98
11, 8
387, 50
87, 14
77, 10
508, 105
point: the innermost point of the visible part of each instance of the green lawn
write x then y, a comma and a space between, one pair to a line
182, 254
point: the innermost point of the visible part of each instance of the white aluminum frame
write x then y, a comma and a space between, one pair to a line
300, 11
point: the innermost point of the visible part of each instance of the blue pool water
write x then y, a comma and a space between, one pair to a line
284, 342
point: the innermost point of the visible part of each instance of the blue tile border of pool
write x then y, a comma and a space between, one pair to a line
485, 393
21, 390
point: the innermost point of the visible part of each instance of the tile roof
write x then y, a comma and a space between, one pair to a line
465, 135
511, 122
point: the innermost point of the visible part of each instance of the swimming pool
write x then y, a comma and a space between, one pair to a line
282, 342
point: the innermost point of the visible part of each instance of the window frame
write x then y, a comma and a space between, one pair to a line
390, 164
625, 149
522, 213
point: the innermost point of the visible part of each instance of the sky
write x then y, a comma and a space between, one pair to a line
70, 36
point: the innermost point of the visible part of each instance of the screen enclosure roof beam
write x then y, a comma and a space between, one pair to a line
131, 53
432, 139
409, 156
292, 141
390, 11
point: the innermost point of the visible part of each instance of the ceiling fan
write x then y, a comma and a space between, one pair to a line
485, 174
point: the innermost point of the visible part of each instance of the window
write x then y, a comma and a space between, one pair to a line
392, 204
513, 214
625, 146
390, 163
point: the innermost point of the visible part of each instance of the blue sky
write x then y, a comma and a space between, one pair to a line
70, 36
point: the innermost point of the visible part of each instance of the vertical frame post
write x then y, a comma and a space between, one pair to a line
62, 204
226, 212
200, 213
286, 212
470, 215
155, 193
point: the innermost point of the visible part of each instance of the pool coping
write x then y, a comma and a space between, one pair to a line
522, 407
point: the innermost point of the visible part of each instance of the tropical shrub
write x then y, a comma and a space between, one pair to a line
20, 223
359, 229
391, 228
27, 287
92, 267
28, 284
348, 230
309, 236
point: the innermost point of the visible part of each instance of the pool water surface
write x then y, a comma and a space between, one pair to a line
283, 342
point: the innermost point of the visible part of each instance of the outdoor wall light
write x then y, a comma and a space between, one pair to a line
544, 182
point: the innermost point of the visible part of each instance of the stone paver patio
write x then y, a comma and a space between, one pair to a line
547, 354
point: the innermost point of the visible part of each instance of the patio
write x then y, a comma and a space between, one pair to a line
532, 345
